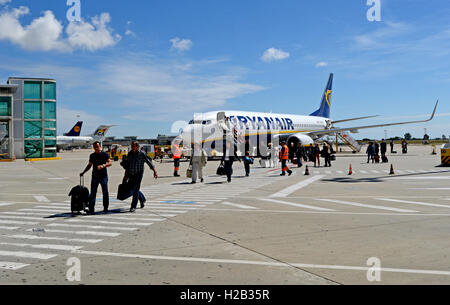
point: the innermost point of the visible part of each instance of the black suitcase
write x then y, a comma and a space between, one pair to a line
385, 159
80, 197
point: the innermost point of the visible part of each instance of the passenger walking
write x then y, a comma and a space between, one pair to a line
326, 155
199, 160
273, 156
404, 147
248, 160
176, 159
99, 161
383, 147
284, 157
316, 154
292, 150
370, 153
134, 172
229, 156
299, 154
392, 146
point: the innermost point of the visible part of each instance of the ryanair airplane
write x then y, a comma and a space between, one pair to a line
212, 127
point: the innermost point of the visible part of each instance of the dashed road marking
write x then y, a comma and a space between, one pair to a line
287, 191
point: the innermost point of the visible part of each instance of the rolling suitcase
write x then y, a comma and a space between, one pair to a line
80, 197
385, 159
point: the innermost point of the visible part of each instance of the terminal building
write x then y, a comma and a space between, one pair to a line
28, 119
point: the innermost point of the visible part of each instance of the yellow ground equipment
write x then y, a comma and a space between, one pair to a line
149, 150
445, 154
116, 152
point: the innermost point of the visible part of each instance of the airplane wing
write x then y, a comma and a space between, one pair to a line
355, 119
355, 129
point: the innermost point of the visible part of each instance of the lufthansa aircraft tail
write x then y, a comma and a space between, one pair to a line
76, 130
324, 110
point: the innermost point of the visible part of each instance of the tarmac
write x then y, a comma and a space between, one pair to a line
328, 228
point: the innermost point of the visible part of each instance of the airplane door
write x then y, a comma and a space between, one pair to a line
222, 121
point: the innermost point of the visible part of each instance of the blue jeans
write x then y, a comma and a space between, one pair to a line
94, 186
135, 182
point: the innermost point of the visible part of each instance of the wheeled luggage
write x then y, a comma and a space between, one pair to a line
80, 197
385, 159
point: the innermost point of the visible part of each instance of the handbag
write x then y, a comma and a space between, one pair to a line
221, 170
189, 171
124, 192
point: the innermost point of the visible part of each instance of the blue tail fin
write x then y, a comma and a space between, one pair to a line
76, 130
324, 110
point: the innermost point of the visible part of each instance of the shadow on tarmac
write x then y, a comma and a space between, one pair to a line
70, 215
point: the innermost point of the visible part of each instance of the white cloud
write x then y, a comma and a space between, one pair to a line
45, 33
97, 35
3, 2
322, 64
273, 54
181, 44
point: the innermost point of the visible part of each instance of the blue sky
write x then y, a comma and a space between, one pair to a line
144, 64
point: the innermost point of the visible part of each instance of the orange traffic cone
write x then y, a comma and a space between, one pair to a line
392, 170
350, 172
307, 171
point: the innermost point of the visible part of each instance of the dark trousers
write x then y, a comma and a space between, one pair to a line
135, 183
284, 166
299, 160
328, 161
247, 168
228, 166
176, 163
94, 186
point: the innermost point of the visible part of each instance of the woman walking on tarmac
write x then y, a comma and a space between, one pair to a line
229, 156
316, 153
199, 160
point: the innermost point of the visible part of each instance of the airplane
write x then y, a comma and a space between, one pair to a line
66, 142
213, 127
76, 130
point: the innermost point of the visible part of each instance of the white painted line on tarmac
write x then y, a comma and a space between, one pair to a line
241, 206
298, 205
27, 254
41, 198
139, 224
25, 218
432, 189
378, 207
14, 222
5, 204
12, 266
43, 246
63, 225
364, 172
415, 202
34, 237
287, 191
260, 263
9, 228
107, 234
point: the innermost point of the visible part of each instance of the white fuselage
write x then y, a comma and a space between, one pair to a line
205, 128
64, 141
